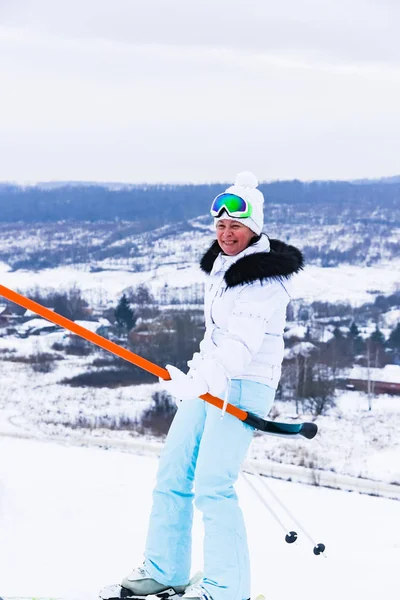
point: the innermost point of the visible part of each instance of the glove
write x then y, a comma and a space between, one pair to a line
195, 360
210, 370
184, 387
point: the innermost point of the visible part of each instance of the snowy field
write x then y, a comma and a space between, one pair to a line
352, 440
73, 520
345, 283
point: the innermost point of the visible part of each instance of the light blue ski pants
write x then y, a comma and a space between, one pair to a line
204, 451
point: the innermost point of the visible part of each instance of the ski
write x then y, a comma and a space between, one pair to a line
117, 592
157, 596
31, 598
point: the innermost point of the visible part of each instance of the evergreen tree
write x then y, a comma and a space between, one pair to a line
394, 338
355, 338
376, 349
354, 332
377, 337
124, 315
337, 333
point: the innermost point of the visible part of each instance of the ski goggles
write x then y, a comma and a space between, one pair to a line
234, 205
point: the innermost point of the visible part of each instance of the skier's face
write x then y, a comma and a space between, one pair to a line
233, 236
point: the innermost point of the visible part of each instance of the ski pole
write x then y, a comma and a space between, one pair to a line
267, 506
291, 537
307, 430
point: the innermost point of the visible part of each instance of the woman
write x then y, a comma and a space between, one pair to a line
240, 359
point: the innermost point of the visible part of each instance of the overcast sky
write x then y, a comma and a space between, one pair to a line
187, 90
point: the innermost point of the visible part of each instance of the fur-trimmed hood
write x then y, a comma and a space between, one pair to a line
281, 261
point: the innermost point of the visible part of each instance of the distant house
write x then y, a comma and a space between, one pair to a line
5, 316
40, 326
296, 331
29, 314
318, 332
147, 329
140, 336
37, 327
100, 327
304, 349
379, 381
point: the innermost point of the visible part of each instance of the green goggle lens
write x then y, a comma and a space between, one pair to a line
234, 205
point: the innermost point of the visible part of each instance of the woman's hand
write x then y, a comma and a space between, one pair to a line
184, 387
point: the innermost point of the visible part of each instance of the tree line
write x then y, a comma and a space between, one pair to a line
157, 205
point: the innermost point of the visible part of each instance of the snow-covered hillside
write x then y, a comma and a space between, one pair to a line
347, 283
352, 440
347, 261
73, 520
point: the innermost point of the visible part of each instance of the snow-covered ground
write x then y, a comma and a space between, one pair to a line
352, 440
73, 520
346, 283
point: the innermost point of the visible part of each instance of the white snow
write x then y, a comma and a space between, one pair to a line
93, 325
30, 314
4, 267
73, 520
388, 374
302, 349
354, 284
391, 318
41, 405
346, 283
297, 331
34, 324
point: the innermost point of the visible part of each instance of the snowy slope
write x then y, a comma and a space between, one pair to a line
352, 439
74, 519
346, 283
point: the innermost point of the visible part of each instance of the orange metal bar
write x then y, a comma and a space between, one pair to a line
101, 341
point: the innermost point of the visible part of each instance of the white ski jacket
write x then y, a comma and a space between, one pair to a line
245, 312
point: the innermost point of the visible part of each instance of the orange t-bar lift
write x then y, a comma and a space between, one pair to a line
307, 430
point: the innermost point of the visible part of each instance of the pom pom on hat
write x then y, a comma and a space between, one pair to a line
245, 186
246, 179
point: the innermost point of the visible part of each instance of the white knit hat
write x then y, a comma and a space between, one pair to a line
245, 186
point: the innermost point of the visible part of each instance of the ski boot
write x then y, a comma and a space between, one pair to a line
196, 592
139, 585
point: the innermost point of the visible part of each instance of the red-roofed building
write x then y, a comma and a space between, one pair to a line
377, 381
